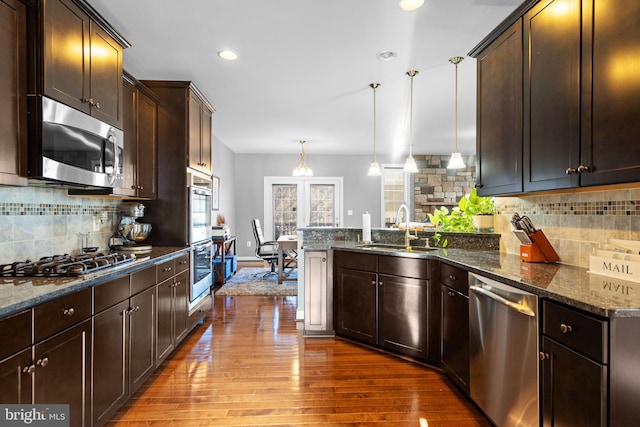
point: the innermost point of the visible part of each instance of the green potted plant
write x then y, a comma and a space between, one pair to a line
479, 209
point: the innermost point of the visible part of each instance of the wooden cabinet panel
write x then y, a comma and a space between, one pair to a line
110, 293
106, 76
356, 304
164, 338
13, 106
455, 278
403, 313
141, 338
406, 267
109, 361
58, 314
181, 306
15, 333
454, 324
129, 129
552, 32
499, 114
143, 279
205, 151
195, 132
611, 94
63, 372
15, 382
574, 388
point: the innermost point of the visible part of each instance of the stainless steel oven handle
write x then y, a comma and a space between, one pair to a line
515, 306
116, 165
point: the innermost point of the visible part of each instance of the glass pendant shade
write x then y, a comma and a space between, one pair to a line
456, 162
410, 165
374, 169
302, 169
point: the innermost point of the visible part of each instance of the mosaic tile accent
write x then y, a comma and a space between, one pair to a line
619, 208
19, 209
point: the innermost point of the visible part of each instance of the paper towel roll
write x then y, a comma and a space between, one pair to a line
366, 227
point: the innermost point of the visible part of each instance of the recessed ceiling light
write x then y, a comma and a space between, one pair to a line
410, 4
386, 55
228, 55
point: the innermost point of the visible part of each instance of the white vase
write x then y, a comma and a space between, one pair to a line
483, 223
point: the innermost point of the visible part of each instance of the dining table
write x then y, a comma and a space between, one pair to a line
287, 257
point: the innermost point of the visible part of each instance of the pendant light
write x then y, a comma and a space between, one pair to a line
302, 169
456, 162
410, 164
374, 169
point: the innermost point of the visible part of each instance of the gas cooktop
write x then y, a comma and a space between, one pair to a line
66, 265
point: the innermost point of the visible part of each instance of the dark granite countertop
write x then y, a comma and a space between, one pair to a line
574, 286
19, 293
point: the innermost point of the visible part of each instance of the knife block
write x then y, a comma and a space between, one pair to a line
540, 250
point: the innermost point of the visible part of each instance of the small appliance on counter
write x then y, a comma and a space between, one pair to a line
220, 232
130, 233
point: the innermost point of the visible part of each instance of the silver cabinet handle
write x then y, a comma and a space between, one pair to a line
29, 369
43, 362
69, 312
544, 356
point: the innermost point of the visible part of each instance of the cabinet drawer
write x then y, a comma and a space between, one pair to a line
15, 333
454, 277
143, 279
165, 270
182, 263
110, 293
579, 331
406, 267
355, 261
54, 316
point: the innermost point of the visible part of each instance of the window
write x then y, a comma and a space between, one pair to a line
395, 191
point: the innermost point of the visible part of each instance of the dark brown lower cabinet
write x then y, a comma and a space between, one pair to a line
403, 308
574, 388
15, 382
172, 318
454, 327
62, 372
123, 352
356, 302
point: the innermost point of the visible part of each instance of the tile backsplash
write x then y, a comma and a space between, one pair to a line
36, 222
575, 222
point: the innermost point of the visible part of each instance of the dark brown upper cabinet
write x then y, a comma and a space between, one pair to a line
78, 59
13, 102
499, 114
579, 98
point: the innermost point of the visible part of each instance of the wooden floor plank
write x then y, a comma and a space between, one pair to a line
249, 365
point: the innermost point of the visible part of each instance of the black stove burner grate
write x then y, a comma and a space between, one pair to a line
65, 265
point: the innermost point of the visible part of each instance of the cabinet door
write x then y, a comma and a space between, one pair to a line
129, 127
109, 361
141, 338
403, 313
13, 73
195, 131
355, 305
106, 77
611, 93
181, 306
205, 151
164, 336
147, 146
552, 32
66, 76
499, 114
574, 388
454, 325
316, 298
15, 379
62, 372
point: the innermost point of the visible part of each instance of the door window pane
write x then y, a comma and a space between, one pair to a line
322, 207
285, 207
394, 192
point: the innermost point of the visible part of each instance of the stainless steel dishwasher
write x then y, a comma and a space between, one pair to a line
503, 345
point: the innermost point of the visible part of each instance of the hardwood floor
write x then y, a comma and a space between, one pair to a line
249, 365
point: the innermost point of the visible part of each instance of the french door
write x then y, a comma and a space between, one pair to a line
292, 202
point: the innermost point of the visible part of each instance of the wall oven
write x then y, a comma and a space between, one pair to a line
199, 207
69, 146
201, 271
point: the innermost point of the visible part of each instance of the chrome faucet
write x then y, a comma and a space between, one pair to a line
407, 235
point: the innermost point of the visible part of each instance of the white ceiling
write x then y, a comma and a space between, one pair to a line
305, 66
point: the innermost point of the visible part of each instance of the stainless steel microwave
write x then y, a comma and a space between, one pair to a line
71, 147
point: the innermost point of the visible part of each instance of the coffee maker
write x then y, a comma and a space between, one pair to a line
129, 232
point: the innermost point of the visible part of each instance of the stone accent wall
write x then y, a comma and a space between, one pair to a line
436, 186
